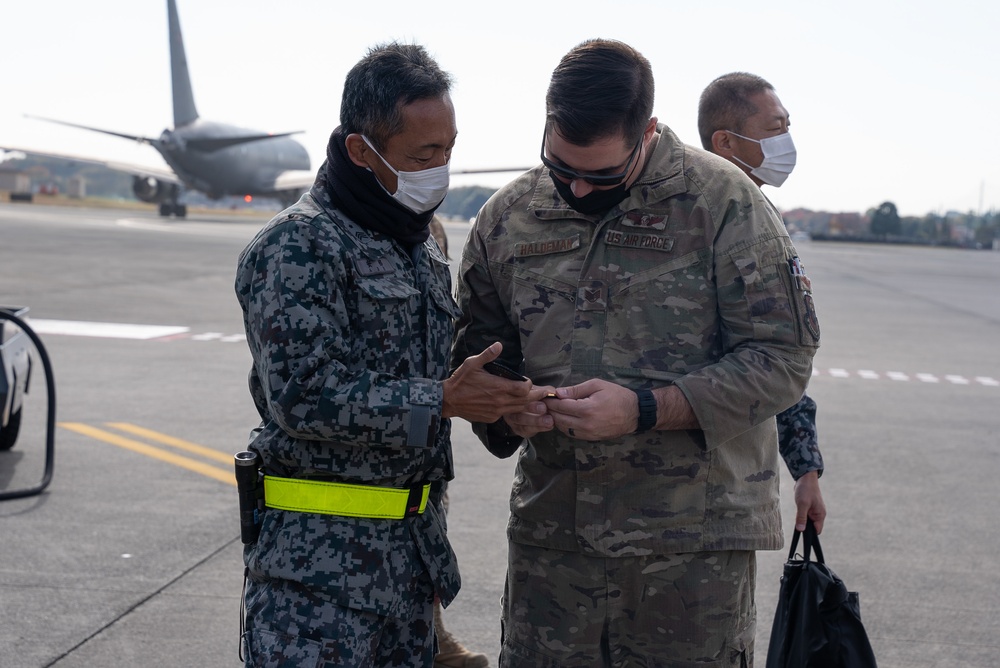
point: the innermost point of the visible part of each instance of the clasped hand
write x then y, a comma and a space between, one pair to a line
594, 410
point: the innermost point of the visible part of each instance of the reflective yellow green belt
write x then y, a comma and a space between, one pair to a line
337, 498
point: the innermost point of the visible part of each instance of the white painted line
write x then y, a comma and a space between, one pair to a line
927, 377
207, 336
107, 330
957, 380
839, 373
897, 375
986, 380
868, 374
138, 224
234, 338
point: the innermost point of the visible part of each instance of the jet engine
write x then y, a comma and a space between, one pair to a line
149, 189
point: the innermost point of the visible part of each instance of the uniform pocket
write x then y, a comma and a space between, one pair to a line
267, 649
803, 306
545, 308
662, 322
382, 305
777, 302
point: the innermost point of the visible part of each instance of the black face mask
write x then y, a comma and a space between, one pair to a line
596, 201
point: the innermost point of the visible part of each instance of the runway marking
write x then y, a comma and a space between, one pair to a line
899, 376
178, 443
170, 333
138, 224
226, 476
105, 330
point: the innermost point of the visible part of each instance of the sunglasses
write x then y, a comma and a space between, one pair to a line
592, 179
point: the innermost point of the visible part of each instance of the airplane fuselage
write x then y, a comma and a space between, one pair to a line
248, 168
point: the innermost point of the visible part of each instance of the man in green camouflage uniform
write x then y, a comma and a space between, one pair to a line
350, 319
739, 116
650, 285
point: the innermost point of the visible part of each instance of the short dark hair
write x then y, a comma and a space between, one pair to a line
725, 104
388, 78
600, 88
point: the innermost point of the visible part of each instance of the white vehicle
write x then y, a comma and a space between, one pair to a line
15, 372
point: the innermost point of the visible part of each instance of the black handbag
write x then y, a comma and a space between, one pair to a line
817, 623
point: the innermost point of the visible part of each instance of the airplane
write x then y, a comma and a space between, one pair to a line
210, 157
213, 158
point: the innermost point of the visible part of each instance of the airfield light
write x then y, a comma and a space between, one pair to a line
248, 198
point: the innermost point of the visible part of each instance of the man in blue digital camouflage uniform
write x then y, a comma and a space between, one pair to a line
741, 118
350, 319
652, 285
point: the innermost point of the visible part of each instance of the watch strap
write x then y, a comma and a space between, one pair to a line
647, 410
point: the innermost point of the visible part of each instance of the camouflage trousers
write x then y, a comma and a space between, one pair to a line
287, 624
564, 609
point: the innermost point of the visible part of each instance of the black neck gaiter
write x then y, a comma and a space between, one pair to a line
597, 201
357, 192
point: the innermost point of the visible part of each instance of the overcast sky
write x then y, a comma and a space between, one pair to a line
889, 100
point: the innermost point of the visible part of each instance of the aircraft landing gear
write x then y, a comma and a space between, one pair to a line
173, 209
171, 206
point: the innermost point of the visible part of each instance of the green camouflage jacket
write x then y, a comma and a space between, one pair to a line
350, 338
691, 281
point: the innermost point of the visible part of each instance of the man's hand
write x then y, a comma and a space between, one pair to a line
478, 396
594, 410
533, 419
809, 502
598, 410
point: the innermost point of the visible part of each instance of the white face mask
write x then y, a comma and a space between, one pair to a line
418, 191
779, 158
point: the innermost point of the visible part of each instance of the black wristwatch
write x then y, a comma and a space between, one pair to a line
647, 410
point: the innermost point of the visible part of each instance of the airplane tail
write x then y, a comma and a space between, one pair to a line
184, 109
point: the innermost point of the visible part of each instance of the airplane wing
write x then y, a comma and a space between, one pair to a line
303, 180
491, 170
162, 174
294, 180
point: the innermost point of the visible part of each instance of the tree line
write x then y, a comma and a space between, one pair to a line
882, 223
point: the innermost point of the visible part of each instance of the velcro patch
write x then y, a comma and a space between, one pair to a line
811, 321
645, 220
636, 240
547, 246
377, 267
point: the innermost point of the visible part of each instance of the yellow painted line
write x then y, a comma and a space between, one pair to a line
180, 444
151, 451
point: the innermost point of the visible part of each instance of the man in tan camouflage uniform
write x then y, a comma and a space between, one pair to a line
739, 116
652, 286
349, 317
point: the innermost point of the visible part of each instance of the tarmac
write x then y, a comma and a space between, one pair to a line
131, 556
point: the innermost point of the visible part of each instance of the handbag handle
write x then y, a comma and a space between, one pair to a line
810, 541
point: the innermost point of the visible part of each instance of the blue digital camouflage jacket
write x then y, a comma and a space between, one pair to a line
350, 336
